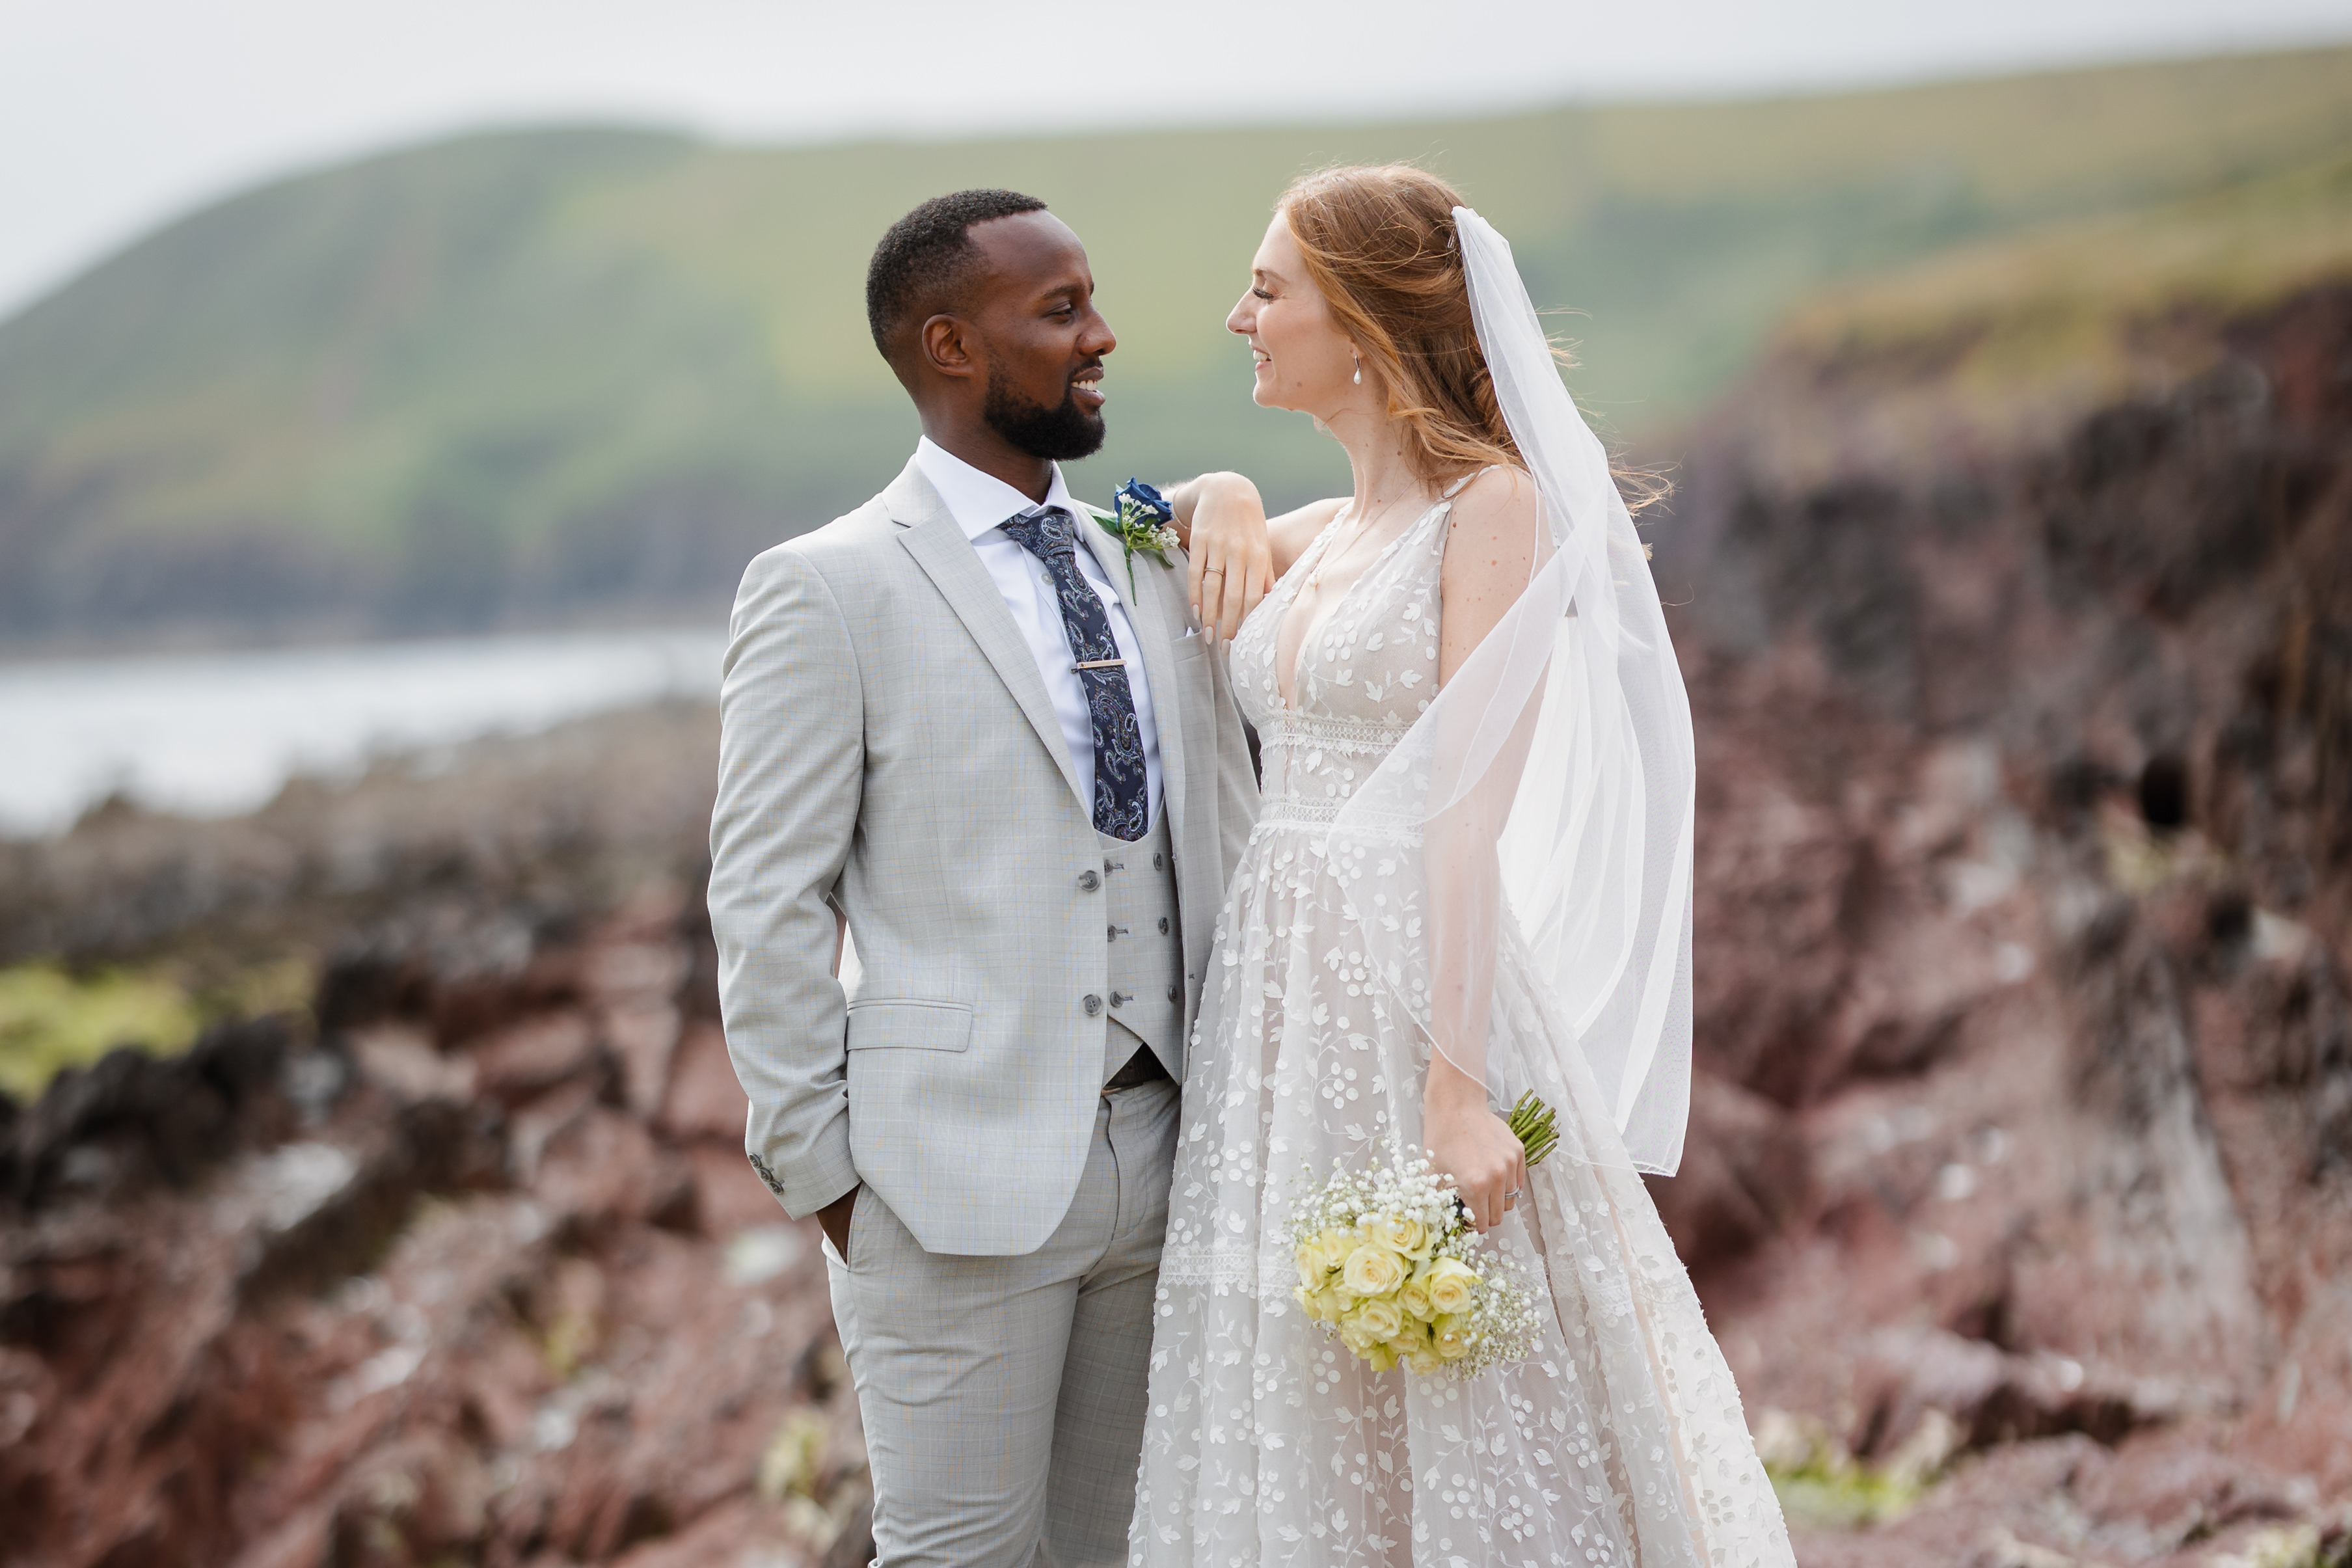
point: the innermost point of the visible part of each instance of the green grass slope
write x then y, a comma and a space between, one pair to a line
510, 376
2000, 344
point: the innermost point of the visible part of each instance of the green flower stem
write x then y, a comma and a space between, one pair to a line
1534, 1123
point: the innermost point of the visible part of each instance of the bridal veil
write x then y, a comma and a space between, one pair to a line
1564, 741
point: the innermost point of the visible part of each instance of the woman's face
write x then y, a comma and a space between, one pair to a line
1304, 360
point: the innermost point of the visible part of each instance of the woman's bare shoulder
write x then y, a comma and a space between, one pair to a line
1496, 522
1498, 496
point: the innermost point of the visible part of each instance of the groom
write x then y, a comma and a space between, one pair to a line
948, 719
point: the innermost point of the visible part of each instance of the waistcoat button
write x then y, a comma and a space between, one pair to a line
1093, 1006
1119, 998
1163, 925
1089, 880
1175, 994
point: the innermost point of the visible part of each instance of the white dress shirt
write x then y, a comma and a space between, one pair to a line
980, 503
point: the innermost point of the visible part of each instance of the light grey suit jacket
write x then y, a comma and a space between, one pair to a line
887, 747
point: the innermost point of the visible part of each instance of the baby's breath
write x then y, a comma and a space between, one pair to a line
1384, 1253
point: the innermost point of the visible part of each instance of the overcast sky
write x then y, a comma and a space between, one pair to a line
117, 114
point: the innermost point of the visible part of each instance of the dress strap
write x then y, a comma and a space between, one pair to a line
1456, 488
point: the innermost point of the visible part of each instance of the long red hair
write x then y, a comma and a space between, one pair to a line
1379, 244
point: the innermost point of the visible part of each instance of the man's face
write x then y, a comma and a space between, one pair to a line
1043, 338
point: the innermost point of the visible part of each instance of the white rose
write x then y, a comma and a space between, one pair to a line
1321, 1256
1379, 1320
1402, 1232
1372, 1270
1453, 1286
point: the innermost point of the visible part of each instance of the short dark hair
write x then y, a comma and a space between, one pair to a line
927, 259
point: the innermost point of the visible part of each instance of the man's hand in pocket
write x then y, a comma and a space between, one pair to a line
835, 1219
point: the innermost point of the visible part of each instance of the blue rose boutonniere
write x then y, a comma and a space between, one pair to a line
1142, 524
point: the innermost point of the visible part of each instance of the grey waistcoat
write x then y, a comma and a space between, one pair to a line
1147, 963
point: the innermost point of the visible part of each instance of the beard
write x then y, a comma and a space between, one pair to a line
1059, 435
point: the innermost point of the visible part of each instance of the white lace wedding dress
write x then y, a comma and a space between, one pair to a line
1621, 1440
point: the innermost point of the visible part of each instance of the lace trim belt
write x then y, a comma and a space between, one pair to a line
1297, 811
1348, 737
1219, 1270
1294, 813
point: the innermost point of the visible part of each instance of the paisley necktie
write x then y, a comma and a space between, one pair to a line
1122, 803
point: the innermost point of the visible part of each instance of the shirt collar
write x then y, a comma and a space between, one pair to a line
980, 501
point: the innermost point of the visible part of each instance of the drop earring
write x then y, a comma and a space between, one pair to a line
1359, 369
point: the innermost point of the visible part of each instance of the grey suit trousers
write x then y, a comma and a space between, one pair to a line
1003, 1397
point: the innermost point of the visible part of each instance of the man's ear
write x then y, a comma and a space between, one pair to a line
947, 344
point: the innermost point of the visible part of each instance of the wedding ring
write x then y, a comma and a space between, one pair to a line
1218, 570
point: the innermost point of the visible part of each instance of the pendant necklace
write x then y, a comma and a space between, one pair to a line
1315, 578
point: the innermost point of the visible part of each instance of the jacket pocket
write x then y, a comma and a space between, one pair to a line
900, 1023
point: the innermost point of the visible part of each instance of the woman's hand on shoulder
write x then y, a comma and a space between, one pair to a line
1494, 542
1237, 552
1229, 563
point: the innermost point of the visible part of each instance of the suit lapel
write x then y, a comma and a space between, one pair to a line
1108, 557
946, 556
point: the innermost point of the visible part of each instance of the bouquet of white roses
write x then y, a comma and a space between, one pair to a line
1388, 1264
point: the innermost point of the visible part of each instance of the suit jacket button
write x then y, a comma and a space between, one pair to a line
1089, 880
1119, 998
1158, 863
1093, 1006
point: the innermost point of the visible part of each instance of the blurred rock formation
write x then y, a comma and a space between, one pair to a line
2019, 1178
465, 1267
2025, 884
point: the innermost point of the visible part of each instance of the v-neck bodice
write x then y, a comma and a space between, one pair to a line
1363, 675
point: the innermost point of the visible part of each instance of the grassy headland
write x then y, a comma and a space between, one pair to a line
502, 376
1990, 345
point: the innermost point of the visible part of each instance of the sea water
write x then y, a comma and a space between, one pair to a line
219, 733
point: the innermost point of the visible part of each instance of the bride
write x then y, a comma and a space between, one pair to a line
1469, 880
